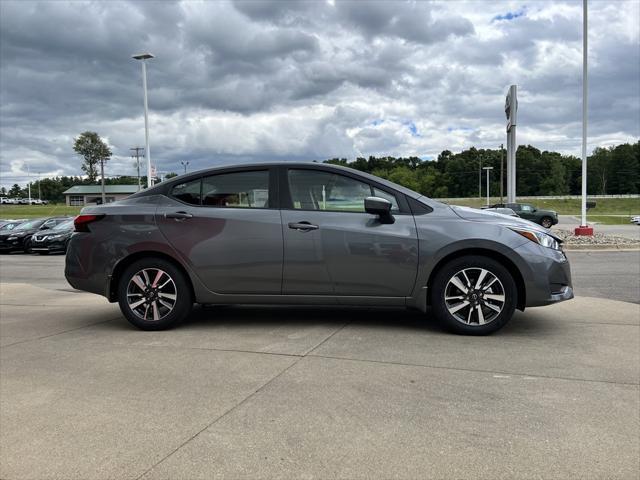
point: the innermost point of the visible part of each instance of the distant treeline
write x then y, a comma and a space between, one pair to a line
614, 170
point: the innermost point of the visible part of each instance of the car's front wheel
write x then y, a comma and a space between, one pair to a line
473, 295
154, 294
546, 222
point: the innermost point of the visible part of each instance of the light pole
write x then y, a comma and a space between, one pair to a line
136, 155
29, 183
144, 57
488, 169
479, 176
584, 228
184, 164
501, 172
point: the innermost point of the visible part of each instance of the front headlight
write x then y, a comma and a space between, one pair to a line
52, 237
12, 238
539, 237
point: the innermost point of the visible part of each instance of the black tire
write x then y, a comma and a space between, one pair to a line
474, 263
546, 222
183, 301
27, 245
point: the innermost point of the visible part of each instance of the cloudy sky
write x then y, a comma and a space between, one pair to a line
235, 81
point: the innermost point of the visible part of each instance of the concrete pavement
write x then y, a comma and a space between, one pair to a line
263, 392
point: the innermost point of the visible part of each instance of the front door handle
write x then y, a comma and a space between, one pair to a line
178, 215
302, 226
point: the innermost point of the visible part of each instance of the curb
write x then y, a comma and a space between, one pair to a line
611, 247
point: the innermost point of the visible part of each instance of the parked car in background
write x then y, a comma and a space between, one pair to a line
636, 219
298, 233
546, 218
7, 225
53, 240
7, 201
504, 211
19, 238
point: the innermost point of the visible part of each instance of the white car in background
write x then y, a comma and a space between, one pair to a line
636, 219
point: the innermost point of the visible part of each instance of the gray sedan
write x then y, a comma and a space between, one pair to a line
314, 234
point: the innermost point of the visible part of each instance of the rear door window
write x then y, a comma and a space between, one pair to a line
237, 190
187, 192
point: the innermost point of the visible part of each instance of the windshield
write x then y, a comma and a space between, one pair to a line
66, 225
9, 226
29, 225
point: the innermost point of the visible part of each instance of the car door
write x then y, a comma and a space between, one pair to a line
227, 227
333, 247
527, 212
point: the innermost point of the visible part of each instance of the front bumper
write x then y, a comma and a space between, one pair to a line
546, 274
12, 245
48, 246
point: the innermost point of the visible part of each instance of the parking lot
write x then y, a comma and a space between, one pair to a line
262, 392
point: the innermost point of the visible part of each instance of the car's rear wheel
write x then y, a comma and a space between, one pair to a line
473, 295
154, 294
546, 222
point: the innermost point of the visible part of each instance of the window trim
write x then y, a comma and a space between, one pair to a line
287, 201
271, 182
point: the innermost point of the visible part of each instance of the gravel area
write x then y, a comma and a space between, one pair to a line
598, 239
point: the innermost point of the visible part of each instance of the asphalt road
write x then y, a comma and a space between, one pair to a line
613, 275
289, 392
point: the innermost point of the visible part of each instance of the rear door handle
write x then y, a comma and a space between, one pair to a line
302, 226
178, 215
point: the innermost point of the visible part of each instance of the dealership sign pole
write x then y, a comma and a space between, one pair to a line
584, 228
511, 111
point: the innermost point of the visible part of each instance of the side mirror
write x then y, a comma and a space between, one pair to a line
379, 206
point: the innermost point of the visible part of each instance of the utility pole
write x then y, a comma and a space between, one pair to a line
39, 192
136, 155
511, 111
184, 164
501, 172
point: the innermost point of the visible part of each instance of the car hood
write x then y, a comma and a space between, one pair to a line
476, 215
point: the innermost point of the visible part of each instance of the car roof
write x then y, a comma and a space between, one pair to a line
249, 166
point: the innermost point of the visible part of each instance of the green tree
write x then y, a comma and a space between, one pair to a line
15, 190
170, 175
94, 151
3, 192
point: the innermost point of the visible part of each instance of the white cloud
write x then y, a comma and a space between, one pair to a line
296, 80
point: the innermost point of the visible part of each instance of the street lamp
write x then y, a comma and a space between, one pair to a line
479, 176
488, 169
184, 164
144, 57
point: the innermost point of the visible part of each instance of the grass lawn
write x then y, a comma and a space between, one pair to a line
36, 211
571, 206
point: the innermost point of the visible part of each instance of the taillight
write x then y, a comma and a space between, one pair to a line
81, 222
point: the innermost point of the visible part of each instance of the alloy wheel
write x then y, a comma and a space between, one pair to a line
151, 294
474, 296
